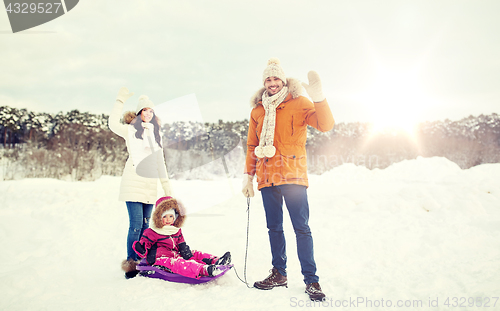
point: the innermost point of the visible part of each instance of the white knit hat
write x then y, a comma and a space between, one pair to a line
170, 212
144, 102
274, 69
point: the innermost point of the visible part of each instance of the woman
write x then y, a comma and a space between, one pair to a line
144, 167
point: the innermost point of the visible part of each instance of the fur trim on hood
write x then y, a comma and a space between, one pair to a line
165, 205
128, 117
294, 88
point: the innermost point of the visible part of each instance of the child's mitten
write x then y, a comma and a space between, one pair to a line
185, 251
140, 249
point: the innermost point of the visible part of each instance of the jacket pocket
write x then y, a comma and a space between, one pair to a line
293, 168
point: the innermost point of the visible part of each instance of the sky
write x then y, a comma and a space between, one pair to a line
390, 62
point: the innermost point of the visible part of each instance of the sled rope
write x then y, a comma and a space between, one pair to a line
246, 248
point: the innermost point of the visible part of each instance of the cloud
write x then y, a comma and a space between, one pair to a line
217, 50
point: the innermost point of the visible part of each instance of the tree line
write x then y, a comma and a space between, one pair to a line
79, 145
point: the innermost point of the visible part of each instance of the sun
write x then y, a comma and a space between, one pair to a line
394, 100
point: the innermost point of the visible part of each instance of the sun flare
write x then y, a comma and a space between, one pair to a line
395, 100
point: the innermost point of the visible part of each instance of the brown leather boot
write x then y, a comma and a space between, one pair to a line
314, 291
275, 279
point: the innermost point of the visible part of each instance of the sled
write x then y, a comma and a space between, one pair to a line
162, 273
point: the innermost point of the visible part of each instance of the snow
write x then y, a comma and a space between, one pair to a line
418, 232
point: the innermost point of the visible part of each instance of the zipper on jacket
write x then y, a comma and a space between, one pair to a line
292, 125
173, 243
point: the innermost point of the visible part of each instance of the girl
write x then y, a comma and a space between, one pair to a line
163, 244
144, 167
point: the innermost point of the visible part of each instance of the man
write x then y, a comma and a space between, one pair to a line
276, 153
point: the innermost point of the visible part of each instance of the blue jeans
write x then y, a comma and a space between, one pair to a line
296, 202
139, 215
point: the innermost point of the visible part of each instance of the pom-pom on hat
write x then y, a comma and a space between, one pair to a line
144, 102
274, 69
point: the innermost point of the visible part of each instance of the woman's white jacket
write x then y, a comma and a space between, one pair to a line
144, 168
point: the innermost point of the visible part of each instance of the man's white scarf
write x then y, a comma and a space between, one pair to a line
270, 103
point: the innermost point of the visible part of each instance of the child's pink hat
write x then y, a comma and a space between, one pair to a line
162, 199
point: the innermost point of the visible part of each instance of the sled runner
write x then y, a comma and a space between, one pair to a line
161, 273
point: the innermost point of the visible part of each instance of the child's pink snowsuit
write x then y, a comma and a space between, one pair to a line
165, 245
168, 253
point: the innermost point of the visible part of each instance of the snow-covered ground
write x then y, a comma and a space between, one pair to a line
421, 234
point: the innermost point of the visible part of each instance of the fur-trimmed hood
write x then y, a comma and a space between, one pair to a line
294, 88
168, 204
128, 117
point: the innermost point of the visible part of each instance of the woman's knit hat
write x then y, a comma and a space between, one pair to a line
274, 69
144, 102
